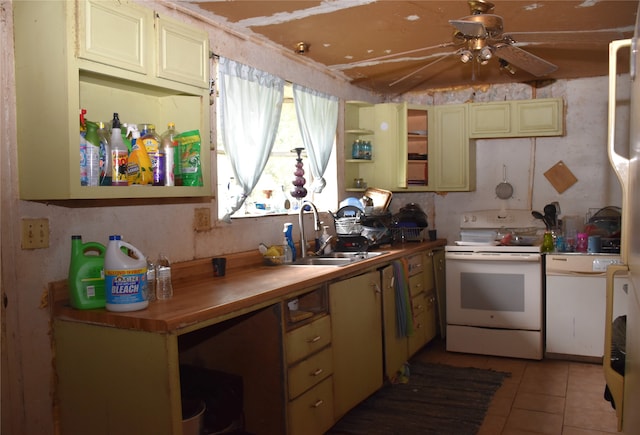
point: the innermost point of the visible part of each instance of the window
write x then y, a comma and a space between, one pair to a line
272, 193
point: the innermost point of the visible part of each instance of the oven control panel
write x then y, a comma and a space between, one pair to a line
496, 219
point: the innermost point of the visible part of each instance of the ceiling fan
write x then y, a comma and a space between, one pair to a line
480, 37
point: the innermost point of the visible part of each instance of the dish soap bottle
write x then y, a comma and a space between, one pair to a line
288, 228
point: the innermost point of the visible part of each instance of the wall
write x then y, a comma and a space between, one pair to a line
582, 149
27, 375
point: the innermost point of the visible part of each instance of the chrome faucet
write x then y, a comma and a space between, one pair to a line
303, 241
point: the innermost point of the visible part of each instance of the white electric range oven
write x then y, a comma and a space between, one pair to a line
494, 292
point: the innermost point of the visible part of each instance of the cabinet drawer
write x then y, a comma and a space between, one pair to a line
415, 264
312, 413
418, 305
309, 372
416, 285
308, 339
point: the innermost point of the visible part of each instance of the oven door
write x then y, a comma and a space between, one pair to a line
494, 290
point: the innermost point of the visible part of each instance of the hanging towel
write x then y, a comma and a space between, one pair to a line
404, 317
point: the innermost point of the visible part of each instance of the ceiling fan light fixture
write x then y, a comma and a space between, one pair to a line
466, 56
485, 54
506, 66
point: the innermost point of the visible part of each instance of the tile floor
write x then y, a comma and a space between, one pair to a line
541, 397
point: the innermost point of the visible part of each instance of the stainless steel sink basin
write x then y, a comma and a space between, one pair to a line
336, 259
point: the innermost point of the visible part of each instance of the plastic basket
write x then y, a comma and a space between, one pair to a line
348, 225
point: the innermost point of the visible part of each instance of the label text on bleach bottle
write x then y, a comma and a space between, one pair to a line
126, 286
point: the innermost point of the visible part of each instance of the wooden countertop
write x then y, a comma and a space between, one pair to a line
200, 299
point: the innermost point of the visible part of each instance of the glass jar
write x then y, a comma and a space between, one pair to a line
547, 242
581, 242
357, 150
359, 183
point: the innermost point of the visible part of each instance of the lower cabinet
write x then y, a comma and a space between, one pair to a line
309, 363
422, 302
296, 366
356, 324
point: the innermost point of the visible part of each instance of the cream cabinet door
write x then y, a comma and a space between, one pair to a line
489, 120
538, 117
183, 53
452, 158
396, 352
115, 34
356, 325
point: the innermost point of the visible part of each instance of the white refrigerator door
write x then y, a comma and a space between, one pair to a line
631, 419
627, 169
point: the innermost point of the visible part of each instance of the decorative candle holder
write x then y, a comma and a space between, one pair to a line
299, 181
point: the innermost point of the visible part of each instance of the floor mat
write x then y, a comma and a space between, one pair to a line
437, 399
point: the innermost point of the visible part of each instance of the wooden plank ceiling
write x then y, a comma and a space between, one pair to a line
376, 44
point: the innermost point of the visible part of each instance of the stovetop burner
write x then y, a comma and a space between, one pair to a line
482, 230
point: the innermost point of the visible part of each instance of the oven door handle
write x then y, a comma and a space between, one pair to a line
492, 256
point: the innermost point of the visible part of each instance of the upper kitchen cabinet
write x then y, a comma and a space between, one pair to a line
452, 157
105, 57
521, 118
415, 148
359, 123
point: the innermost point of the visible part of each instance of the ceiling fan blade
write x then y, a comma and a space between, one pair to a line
567, 36
403, 53
421, 68
524, 60
471, 29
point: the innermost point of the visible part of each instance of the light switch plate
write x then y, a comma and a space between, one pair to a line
35, 233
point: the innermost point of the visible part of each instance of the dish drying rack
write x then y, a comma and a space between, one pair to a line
408, 234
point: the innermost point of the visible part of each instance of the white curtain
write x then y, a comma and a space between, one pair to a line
250, 106
318, 120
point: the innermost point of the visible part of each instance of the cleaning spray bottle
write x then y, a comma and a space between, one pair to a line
288, 240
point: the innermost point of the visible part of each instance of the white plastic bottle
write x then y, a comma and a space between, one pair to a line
324, 239
119, 154
170, 147
125, 277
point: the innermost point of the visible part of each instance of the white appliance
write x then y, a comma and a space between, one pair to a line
625, 388
575, 304
494, 292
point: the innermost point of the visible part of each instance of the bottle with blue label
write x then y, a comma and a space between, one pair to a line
125, 269
288, 240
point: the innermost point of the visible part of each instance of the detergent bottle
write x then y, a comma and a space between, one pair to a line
125, 276
86, 274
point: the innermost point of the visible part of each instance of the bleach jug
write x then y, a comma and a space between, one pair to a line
86, 274
125, 270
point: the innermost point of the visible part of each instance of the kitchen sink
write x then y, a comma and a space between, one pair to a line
336, 259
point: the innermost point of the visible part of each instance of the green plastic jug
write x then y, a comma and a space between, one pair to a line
86, 274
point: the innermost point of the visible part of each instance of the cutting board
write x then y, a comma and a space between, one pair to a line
560, 177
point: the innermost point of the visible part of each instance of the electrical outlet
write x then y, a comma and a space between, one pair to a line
35, 233
202, 219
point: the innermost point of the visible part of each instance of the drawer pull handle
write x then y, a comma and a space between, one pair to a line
314, 339
318, 404
318, 372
